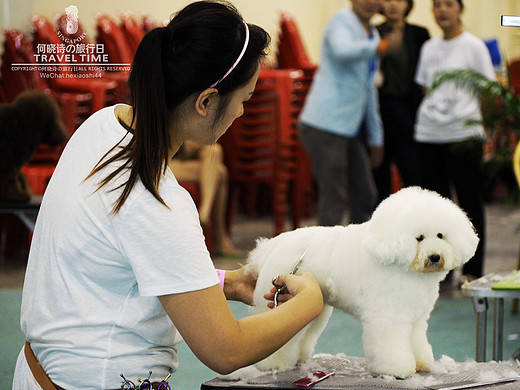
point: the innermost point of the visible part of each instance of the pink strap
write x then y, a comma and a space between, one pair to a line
221, 275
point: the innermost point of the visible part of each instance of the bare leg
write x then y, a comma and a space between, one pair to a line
211, 159
203, 167
208, 169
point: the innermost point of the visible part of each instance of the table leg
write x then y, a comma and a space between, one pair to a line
498, 328
481, 305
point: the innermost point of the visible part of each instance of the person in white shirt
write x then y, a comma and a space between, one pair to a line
118, 263
450, 151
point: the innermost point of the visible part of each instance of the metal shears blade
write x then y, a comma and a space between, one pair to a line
279, 290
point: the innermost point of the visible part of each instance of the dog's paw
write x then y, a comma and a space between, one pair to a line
424, 358
398, 368
423, 367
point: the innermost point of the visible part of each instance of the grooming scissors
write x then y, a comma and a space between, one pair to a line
280, 289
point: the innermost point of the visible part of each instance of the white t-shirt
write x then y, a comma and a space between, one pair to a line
90, 306
443, 114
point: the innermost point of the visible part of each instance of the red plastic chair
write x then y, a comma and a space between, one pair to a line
102, 89
18, 50
514, 74
38, 176
148, 23
132, 30
291, 51
120, 77
261, 147
112, 36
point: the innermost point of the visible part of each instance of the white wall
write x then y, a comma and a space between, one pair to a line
311, 15
481, 17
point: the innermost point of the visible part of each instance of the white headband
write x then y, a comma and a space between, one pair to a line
246, 42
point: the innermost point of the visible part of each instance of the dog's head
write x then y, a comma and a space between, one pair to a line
47, 116
421, 231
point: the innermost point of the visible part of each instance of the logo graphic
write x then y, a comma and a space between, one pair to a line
74, 57
72, 19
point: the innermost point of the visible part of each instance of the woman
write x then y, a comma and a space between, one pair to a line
118, 263
204, 164
399, 97
450, 151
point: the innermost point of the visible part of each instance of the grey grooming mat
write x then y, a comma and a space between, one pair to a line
352, 373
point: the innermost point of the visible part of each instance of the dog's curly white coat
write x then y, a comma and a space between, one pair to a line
385, 272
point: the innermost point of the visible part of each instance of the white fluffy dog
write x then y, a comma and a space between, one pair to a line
385, 272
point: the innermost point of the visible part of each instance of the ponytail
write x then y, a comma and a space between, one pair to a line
146, 154
199, 45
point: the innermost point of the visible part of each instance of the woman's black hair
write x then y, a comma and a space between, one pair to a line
197, 47
406, 13
409, 9
460, 3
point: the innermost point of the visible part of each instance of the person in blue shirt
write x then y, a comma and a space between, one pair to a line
341, 115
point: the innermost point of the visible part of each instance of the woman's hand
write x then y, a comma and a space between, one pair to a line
294, 284
282, 297
240, 284
224, 344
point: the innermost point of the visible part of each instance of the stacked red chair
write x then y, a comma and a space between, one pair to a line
261, 147
132, 30
120, 77
148, 23
513, 68
113, 37
102, 90
291, 52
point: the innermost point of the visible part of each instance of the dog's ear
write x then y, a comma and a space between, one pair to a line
463, 237
387, 248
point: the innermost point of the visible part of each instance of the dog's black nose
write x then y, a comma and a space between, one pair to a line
434, 258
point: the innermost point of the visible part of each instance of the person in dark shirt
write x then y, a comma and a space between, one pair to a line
399, 97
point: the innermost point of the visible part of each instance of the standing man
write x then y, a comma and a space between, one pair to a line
341, 115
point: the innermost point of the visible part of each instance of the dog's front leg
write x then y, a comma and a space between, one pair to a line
386, 342
421, 347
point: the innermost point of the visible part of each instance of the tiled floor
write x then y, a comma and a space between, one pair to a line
453, 313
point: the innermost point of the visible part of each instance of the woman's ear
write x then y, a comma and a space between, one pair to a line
204, 101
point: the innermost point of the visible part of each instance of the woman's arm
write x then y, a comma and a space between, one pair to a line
224, 344
239, 284
344, 44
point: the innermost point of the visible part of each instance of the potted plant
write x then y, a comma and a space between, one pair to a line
500, 119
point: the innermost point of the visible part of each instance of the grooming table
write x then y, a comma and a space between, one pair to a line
480, 290
25, 211
352, 373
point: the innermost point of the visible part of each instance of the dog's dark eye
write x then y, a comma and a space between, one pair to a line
440, 235
420, 238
